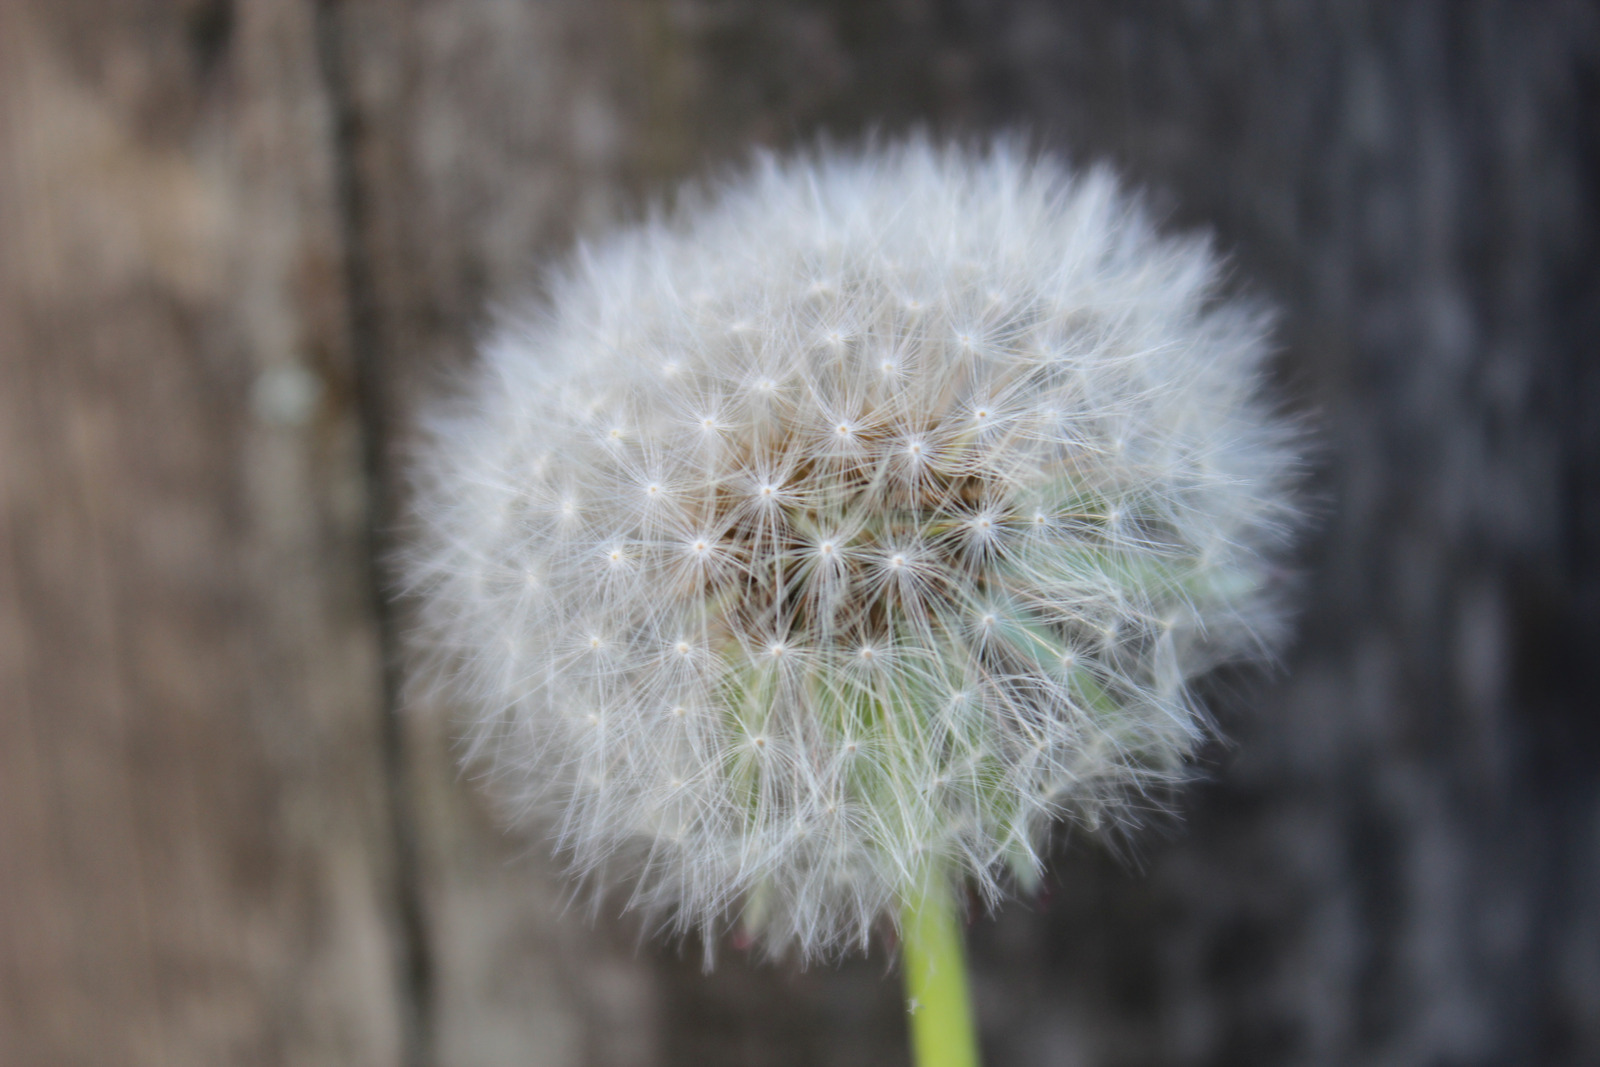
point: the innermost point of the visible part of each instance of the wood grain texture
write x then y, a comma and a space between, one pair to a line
242, 242
194, 856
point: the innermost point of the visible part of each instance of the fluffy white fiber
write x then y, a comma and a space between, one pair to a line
849, 527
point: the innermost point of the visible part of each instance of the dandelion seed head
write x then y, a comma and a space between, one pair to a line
922, 513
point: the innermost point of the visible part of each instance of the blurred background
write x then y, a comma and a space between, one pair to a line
239, 240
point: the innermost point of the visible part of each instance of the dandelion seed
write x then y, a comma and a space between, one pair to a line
987, 526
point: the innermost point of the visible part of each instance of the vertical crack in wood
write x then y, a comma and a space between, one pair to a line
414, 956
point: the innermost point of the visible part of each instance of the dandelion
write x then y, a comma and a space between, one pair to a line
883, 508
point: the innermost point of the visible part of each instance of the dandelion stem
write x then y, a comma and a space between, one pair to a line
942, 1033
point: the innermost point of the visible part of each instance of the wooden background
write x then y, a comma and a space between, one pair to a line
239, 239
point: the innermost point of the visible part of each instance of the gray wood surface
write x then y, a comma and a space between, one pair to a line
239, 241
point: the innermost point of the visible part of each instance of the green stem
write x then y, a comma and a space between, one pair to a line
942, 1033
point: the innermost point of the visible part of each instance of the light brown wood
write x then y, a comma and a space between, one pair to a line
195, 865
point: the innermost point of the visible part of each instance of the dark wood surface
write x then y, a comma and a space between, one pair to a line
239, 241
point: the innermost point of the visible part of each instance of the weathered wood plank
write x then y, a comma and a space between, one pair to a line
194, 842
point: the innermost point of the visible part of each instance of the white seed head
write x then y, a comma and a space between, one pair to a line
966, 517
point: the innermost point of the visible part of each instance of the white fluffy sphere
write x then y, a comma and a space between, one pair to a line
848, 528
